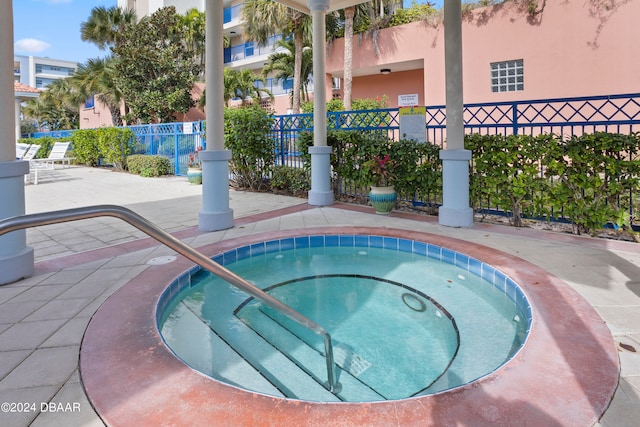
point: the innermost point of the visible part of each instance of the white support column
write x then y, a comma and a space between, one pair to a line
215, 213
321, 193
16, 258
455, 210
17, 118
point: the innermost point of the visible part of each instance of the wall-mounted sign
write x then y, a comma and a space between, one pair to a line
408, 100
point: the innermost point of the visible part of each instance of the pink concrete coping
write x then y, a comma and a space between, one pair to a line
565, 375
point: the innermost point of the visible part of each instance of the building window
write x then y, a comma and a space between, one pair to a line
507, 76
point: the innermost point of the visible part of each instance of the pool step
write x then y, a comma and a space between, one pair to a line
208, 353
310, 359
236, 354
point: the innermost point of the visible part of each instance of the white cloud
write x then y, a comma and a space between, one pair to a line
30, 45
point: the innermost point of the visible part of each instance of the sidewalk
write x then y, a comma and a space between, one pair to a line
43, 318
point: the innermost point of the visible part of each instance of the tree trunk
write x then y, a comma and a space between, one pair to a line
348, 56
297, 71
116, 118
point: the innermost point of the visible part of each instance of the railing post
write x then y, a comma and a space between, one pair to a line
514, 117
281, 131
176, 149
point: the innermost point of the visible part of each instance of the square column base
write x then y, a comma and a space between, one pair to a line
321, 193
449, 217
17, 266
455, 210
215, 214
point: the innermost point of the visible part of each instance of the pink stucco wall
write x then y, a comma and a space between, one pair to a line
572, 48
100, 116
390, 85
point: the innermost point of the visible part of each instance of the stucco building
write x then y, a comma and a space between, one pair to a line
40, 72
566, 49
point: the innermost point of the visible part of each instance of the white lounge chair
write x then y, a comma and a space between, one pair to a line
21, 150
58, 154
34, 165
31, 152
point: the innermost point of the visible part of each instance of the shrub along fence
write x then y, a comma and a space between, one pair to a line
588, 180
558, 158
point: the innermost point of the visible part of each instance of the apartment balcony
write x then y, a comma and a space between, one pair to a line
249, 54
232, 20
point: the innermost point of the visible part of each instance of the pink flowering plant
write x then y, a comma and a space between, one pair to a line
194, 159
380, 170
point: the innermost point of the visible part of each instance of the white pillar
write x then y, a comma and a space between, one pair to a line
215, 213
321, 193
455, 210
16, 258
17, 116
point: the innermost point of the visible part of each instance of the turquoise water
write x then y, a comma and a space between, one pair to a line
403, 324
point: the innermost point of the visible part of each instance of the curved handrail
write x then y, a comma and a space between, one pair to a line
66, 215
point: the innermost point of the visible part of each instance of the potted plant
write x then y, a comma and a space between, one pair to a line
380, 172
194, 167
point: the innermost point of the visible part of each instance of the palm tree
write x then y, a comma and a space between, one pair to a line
57, 107
194, 25
349, 13
372, 12
105, 25
282, 63
34, 110
243, 84
97, 77
265, 18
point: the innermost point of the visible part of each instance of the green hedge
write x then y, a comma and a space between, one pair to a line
417, 167
109, 144
587, 178
291, 180
148, 166
247, 133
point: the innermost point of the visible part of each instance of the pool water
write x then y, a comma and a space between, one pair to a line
404, 322
369, 320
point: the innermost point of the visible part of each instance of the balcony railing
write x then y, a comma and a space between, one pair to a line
249, 49
231, 13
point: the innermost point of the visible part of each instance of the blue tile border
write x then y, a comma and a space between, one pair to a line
476, 267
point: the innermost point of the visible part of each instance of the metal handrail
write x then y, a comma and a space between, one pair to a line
66, 215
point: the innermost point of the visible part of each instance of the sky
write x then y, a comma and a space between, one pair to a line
51, 28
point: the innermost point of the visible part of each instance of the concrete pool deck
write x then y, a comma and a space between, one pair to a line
43, 318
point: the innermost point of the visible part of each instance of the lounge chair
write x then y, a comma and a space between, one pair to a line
34, 165
21, 150
58, 154
31, 152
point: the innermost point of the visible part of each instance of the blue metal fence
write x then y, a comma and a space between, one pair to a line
561, 116
53, 134
173, 140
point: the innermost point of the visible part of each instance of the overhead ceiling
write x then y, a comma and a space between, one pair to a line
303, 5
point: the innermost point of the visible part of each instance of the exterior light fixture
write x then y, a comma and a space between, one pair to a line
385, 71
